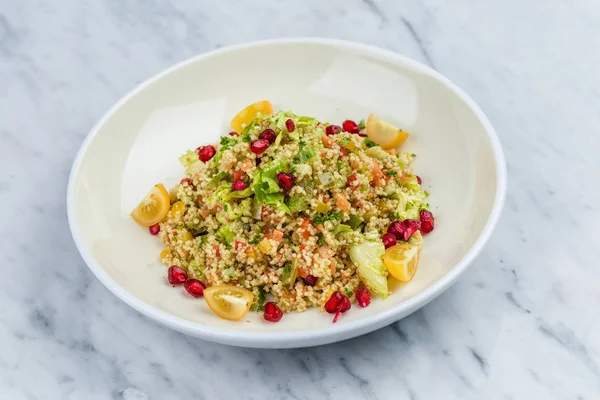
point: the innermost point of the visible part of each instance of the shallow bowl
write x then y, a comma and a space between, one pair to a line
138, 142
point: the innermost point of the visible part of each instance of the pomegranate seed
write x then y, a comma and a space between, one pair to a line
268, 135
363, 296
396, 228
389, 240
186, 182
344, 306
290, 125
154, 229
233, 133
205, 153
238, 184
259, 146
272, 312
410, 227
427, 221
419, 180
332, 305
311, 280
194, 287
285, 181
333, 129
176, 275
350, 126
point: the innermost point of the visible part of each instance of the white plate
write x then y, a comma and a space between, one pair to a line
137, 144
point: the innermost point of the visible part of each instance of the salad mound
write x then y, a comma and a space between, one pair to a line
287, 213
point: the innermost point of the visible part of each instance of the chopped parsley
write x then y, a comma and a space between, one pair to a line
333, 216
344, 141
320, 240
413, 155
362, 124
348, 292
391, 173
369, 143
255, 240
246, 139
259, 301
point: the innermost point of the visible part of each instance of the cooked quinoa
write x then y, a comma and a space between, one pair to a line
268, 237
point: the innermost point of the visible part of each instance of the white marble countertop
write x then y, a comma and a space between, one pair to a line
522, 323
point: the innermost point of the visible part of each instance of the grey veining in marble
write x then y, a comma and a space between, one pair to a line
523, 323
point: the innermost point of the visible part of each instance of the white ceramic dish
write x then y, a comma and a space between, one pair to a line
137, 143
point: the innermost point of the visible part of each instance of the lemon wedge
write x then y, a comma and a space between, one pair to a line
402, 260
384, 134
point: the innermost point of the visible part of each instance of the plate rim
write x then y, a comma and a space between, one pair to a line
310, 337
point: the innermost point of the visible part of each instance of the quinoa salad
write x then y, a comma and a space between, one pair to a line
287, 212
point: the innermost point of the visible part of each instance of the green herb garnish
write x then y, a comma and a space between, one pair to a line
349, 292
369, 143
320, 218
391, 173
362, 124
344, 141
255, 240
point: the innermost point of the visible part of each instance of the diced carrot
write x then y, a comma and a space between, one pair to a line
327, 141
393, 152
277, 235
344, 152
237, 175
302, 246
341, 202
325, 252
246, 165
304, 226
320, 227
302, 272
332, 266
378, 175
217, 250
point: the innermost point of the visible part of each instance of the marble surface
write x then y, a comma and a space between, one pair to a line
522, 323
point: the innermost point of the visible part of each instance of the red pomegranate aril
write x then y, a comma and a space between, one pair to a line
333, 129
332, 305
389, 240
268, 135
427, 221
363, 296
194, 287
396, 228
285, 181
176, 275
344, 306
410, 227
233, 133
154, 229
205, 153
238, 184
259, 146
350, 126
310, 280
272, 312
419, 180
290, 125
